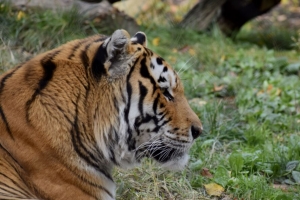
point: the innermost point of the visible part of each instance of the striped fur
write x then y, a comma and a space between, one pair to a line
68, 116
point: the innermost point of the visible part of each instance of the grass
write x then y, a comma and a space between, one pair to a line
246, 94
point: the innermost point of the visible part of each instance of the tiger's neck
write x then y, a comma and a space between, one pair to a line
111, 126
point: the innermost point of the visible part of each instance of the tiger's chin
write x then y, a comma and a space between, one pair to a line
170, 158
177, 164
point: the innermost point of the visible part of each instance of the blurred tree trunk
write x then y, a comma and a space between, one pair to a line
202, 14
230, 15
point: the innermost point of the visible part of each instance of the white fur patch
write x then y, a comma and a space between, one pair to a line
177, 164
158, 73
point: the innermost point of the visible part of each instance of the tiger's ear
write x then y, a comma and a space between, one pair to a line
117, 43
141, 38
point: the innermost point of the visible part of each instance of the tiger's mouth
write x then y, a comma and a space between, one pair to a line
162, 152
164, 155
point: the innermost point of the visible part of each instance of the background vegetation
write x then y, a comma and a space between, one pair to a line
244, 89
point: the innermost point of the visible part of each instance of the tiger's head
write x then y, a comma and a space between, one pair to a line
156, 120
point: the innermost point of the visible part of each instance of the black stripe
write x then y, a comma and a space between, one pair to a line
143, 93
127, 108
116, 104
80, 148
100, 39
99, 59
116, 136
56, 117
84, 58
145, 73
112, 156
129, 93
86, 63
85, 85
63, 112
4, 149
13, 166
4, 194
156, 129
75, 48
152, 66
155, 103
49, 68
167, 94
161, 79
10, 192
2, 114
26, 194
165, 69
159, 61
92, 184
84, 153
163, 116
149, 52
147, 119
4, 79
6, 123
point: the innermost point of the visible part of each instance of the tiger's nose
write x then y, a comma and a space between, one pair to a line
196, 131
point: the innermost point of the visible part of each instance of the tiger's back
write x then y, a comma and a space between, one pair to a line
69, 115
36, 98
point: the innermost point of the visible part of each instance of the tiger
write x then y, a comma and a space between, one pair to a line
69, 116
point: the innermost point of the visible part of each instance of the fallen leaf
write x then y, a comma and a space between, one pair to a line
192, 52
20, 15
281, 187
223, 57
218, 88
270, 87
156, 41
205, 172
278, 92
214, 189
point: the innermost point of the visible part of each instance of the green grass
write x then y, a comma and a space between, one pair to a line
246, 94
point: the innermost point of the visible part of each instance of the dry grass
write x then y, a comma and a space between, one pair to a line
152, 183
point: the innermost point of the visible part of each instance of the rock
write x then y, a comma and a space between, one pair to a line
102, 12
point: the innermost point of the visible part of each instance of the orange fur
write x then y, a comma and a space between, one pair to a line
55, 113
